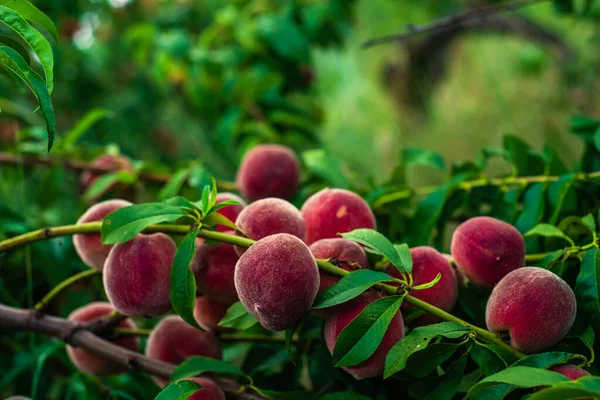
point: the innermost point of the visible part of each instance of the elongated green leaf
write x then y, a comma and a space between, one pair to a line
378, 243
361, 337
104, 183
425, 362
533, 208
557, 192
440, 387
11, 60
175, 184
488, 360
548, 230
215, 218
418, 340
519, 376
587, 387
238, 318
178, 389
197, 365
183, 284
13, 44
587, 288
123, 224
544, 360
31, 13
86, 122
589, 222
344, 396
415, 156
349, 287
427, 214
41, 360
33, 38
405, 256
429, 284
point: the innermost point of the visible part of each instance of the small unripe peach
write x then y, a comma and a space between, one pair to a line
91, 363
89, 247
113, 163
269, 170
347, 255
427, 263
570, 371
270, 216
277, 280
536, 307
333, 211
213, 266
173, 341
232, 211
211, 391
335, 323
137, 275
486, 249
209, 313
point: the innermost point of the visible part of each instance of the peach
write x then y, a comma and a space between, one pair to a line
335, 323
536, 307
173, 340
270, 216
269, 170
485, 249
427, 263
209, 313
211, 391
89, 247
232, 211
113, 163
333, 211
345, 253
572, 372
91, 363
137, 275
213, 267
18, 398
277, 280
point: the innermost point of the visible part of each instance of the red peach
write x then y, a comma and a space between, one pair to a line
211, 391
269, 170
232, 211
572, 372
209, 313
333, 211
137, 275
334, 325
536, 307
114, 163
277, 280
486, 249
91, 363
347, 254
89, 247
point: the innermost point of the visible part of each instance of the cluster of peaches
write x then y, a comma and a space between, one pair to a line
277, 278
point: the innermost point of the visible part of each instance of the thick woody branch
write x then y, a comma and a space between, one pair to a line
80, 336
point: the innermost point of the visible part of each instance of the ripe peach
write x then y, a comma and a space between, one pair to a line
536, 307
270, 216
137, 275
333, 211
211, 391
89, 247
486, 249
213, 267
173, 340
277, 280
110, 162
427, 263
18, 398
351, 255
335, 323
209, 313
231, 211
269, 170
91, 363
571, 371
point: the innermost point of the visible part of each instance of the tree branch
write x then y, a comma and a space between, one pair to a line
80, 336
450, 22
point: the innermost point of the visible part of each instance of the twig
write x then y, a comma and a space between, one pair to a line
29, 320
41, 305
450, 22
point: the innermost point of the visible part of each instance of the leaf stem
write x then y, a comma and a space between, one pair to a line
41, 305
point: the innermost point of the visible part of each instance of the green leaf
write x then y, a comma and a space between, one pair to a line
440, 387
587, 288
41, 360
418, 340
238, 318
123, 224
182, 292
324, 165
33, 38
405, 256
13, 44
557, 191
548, 230
197, 365
488, 360
379, 244
344, 396
518, 376
175, 184
11, 60
285, 37
586, 387
86, 122
427, 214
427, 361
519, 154
215, 218
429, 284
589, 222
105, 182
349, 287
414, 156
581, 125
587, 338
31, 13
533, 208
362, 336
177, 390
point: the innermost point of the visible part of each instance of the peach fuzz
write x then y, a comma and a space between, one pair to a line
211, 391
347, 255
